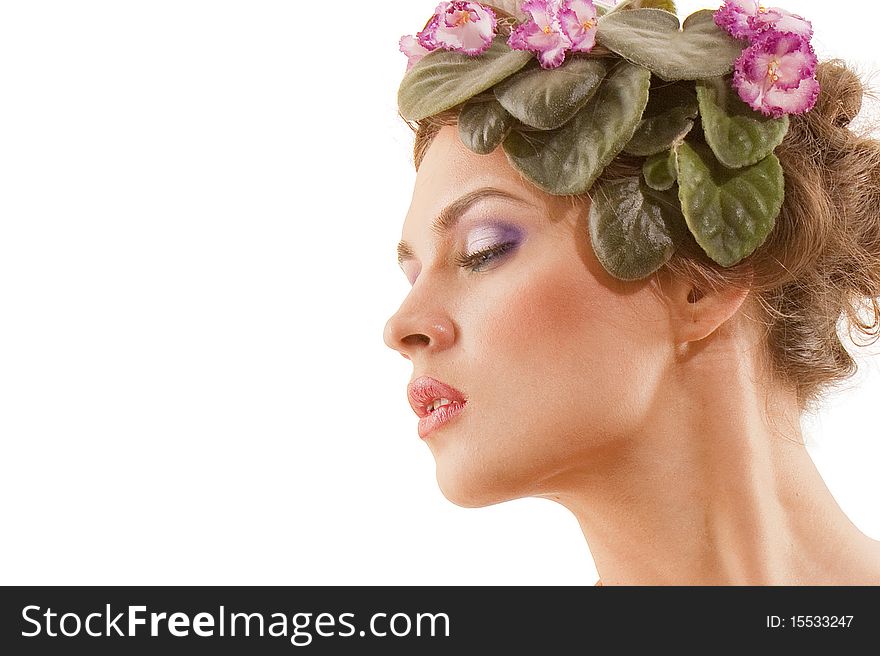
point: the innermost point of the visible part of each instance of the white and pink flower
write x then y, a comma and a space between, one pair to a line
579, 22
466, 27
748, 19
555, 28
541, 34
776, 74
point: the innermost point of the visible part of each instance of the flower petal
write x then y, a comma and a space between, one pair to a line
734, 16
781, 21
794, 67
541, 35
794, 24
750, 89
553, 57
550, 46
410, 46
466, 27
584, 10
792, 57
427, 37
753, 63
543, 12
577, 19
792, 101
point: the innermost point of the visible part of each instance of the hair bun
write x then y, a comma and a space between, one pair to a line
842, 91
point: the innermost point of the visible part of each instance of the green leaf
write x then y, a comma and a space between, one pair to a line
568, 160
548, 98
483, 125
668, 118
666, 5
512, 7
659, 171
651, 38
729, 211
443, 79
634, 229
738, 135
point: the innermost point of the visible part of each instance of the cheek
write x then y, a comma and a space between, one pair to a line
559, 314
577, 350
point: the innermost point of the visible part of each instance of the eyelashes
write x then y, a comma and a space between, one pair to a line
483, 258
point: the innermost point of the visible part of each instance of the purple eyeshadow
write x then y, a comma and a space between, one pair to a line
493, 234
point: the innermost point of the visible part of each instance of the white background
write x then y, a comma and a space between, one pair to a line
199, 207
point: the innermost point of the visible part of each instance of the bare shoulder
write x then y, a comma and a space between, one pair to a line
853, 562
869, 573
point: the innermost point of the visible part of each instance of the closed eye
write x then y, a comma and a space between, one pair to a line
481, 259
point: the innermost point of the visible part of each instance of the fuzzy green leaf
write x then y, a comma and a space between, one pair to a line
729, 211
668, 118
568, 160
659, 171
483, 125
666, 5
634, 229
652, 38
547, 98
443, 79
738, 135
512, 7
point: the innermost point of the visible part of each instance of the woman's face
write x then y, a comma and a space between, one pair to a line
558, 361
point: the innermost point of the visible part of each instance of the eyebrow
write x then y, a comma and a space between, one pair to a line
450, 215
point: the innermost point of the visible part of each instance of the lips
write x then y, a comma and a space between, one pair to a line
423, 392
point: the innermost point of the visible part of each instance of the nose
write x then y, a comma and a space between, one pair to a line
417, 328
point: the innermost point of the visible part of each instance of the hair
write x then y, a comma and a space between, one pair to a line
821, 261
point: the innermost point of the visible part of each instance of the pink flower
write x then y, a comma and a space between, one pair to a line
410, 46
555, 27
542, 33
578, 21
466, 27
426, 36
781, 21
733, 16
747, 19
776, 74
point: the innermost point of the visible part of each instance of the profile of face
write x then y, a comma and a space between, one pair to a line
559, 363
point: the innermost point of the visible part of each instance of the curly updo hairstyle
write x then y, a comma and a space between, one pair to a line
821, 262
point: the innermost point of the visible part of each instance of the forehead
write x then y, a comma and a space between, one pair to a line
449, 170
448, 156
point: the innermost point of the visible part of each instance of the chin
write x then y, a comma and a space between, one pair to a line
468, 493
470, 480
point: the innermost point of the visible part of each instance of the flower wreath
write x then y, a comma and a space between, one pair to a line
564, 86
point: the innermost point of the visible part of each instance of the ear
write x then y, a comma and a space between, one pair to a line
694, 312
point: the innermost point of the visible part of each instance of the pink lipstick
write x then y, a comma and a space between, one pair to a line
435, 403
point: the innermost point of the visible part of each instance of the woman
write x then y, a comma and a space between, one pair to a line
663, 412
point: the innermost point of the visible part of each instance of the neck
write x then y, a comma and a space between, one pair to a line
716, 488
